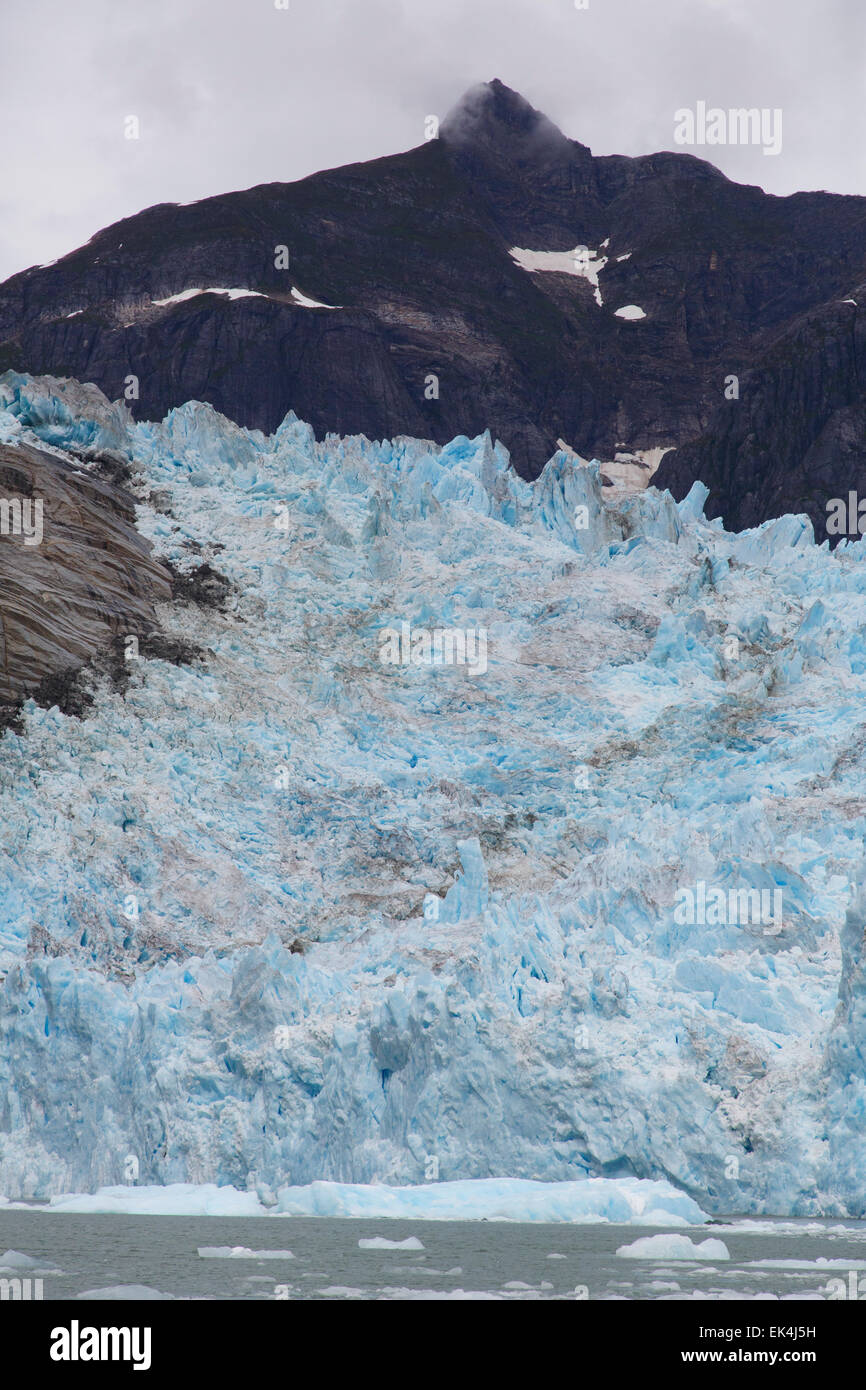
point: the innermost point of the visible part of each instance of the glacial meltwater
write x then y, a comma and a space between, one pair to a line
66, 1256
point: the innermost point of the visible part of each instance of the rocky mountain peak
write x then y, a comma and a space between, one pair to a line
492, 113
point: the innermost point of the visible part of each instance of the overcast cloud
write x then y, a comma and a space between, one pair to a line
232, 93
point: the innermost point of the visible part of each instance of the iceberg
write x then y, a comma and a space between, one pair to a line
382, 1243
241, 1252
664, 1247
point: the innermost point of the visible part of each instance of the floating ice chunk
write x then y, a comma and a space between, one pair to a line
820, 1262
241, 1252
673, 1247
794, 1228
626, 1201
122, 1293
177, 1199
630, 311
12, 1260
382, 1243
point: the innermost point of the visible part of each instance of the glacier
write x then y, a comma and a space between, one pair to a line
287, 915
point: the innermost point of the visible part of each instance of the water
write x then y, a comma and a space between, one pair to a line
459, 1258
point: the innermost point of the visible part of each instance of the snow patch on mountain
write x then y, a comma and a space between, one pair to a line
582, 261
183, 295
308, 303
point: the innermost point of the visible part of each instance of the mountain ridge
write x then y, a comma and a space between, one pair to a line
435, 331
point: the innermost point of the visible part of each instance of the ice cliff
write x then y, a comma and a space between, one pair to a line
288, 912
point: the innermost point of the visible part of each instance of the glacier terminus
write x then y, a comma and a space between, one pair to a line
305, 916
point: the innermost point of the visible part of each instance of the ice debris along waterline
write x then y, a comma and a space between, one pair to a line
664, 705
627, 1202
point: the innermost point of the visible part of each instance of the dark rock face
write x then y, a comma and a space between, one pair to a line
74, 594
796, 438
415, 249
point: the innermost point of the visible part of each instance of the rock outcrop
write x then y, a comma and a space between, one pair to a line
74, 571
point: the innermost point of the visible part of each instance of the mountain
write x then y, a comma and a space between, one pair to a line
414, 256
301, 909
796, 438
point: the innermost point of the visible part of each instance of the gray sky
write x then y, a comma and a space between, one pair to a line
232, 93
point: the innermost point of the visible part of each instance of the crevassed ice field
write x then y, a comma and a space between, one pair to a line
664, 705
